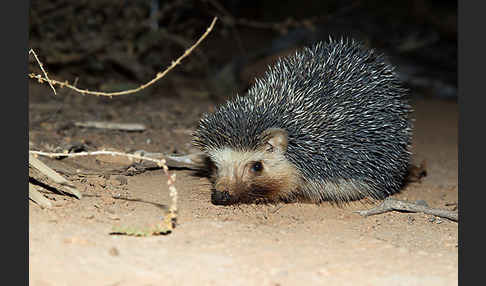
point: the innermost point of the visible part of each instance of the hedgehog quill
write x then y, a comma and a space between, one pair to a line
330, 123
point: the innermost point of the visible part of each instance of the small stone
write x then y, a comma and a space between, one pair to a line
114, 251
410, 219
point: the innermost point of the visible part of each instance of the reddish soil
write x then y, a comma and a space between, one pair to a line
286, 244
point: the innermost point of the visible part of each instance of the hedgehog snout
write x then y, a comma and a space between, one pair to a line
220, 197
226, 190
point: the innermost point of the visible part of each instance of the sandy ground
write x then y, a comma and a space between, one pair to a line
286, 244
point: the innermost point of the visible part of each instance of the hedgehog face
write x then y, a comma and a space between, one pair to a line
257, 175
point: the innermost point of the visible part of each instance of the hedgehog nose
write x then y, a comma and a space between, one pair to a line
220, 198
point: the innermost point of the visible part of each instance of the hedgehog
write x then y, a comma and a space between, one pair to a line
331, 122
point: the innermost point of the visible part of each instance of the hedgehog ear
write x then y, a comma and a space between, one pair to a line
276, 139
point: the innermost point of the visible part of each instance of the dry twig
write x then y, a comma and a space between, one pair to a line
390, 204
31, 51
54, 176
38, 198
111, 94
160, 162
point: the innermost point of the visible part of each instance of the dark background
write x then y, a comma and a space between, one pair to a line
117, 45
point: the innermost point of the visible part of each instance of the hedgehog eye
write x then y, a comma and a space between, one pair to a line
256, 167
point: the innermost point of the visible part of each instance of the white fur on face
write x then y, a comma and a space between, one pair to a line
231, 163
227, 155
233, 173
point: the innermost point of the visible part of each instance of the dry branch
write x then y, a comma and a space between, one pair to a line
111, 94
390, 204
31, 51
38, 198
160, 162
54, 176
